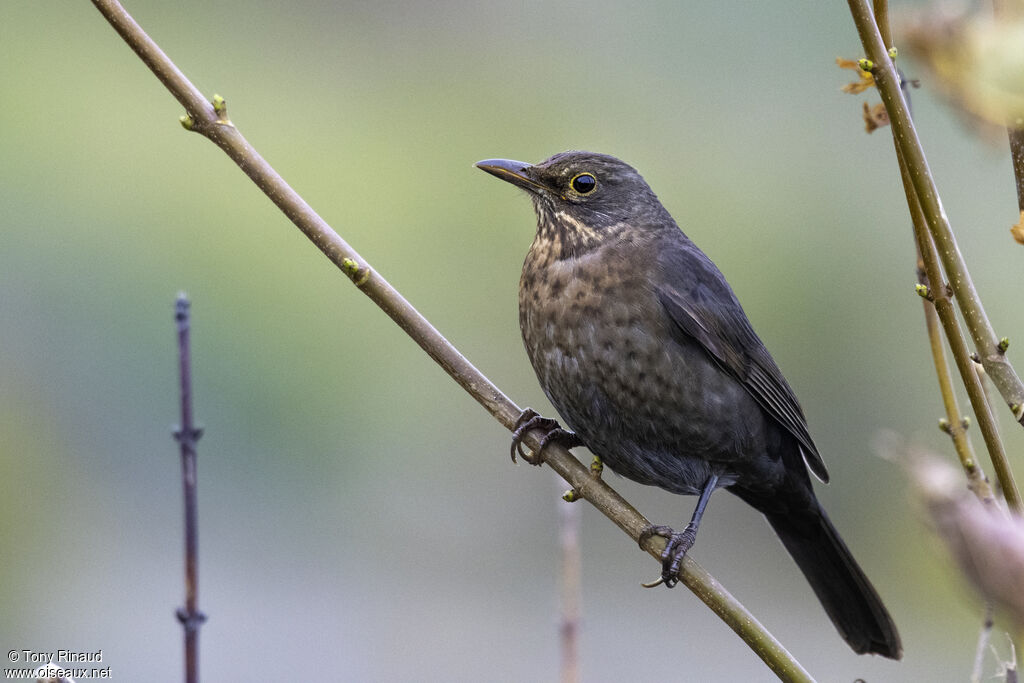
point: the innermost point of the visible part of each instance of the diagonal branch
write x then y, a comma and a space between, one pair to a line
938, 308
943, 308
211, 121
990, 349
940, 245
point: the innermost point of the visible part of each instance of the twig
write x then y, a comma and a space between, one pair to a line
1010, 11
984, 636
977, 482
975, 390
1016, 136
927, 204
1008, 668
991, 351
934, 297
571, 588
929, 277
211, 121
881, 11
187, 434
934, 300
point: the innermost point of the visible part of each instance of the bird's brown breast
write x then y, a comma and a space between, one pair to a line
605, 356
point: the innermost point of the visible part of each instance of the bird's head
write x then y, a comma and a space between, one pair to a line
582, 199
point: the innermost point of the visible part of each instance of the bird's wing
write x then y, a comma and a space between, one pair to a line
700, 303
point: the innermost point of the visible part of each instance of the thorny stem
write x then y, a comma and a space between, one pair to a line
985, 339
214, 125
927, 206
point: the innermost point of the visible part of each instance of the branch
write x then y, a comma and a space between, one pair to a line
938, 308
1009, 11
570, 589
187, 434
984, 636
881, 11
991, 351
939, 243
934, 295
976, 480
211, 121
943, 307
1016, 136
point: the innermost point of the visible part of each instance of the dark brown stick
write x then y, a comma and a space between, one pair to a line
187, 434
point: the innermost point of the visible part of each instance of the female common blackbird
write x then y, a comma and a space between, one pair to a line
644, 350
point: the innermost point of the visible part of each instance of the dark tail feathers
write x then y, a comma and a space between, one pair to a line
846, 594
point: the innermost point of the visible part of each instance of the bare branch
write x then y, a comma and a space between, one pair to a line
941, 246
211, 120
991, 353
187, 434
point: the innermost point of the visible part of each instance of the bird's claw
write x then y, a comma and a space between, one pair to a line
553, 432
677, 544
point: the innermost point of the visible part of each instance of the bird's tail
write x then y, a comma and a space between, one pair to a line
846, 594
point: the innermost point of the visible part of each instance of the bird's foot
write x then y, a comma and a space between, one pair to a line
553, 432
677, 544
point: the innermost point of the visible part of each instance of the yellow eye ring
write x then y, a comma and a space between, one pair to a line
583, 183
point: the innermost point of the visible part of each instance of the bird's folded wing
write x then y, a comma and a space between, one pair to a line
714, 318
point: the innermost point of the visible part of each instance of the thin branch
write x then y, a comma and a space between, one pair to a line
881, 11
935, 298
991, 351
929, 277
187, 434
1016, 136
571, 588
927, 210
975, 391
211, 121
976, 479
984, 636
1009, 11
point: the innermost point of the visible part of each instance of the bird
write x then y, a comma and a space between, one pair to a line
642, 347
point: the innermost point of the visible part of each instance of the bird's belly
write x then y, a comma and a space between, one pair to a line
656, 409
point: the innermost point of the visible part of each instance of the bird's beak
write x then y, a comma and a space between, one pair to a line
515, 172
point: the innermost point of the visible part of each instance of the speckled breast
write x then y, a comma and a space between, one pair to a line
649, 404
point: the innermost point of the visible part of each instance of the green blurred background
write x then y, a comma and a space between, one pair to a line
360, 518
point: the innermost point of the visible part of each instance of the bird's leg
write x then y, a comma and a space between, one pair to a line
553, 432
678, 543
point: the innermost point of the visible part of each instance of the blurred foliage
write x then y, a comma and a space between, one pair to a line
360, 519
974, 59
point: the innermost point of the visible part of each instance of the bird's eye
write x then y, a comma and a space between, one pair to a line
583, 183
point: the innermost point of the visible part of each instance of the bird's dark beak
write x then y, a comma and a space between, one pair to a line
515, 172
